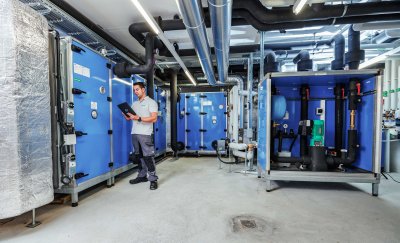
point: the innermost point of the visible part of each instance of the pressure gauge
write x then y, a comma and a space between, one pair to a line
102, 90
94, 114
285, 126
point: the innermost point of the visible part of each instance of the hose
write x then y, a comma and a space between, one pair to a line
225, 162
291, 145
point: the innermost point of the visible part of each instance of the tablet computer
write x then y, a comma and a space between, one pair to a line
126, 108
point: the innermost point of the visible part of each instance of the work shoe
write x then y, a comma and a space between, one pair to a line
153, 185
138, 180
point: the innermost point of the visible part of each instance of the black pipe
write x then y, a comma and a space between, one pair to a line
352, 145
354, 94
303, 61
339, 111
354, 54
318, 158
174, 99
347, 158
338, 62
280, 140
305, 95
270, 63
322, 12
260, 26
125, 70
293, 160
95, 28
150, 82
278, 48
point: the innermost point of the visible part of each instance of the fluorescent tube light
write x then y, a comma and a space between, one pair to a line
146, 16
298, 6
163, 38
190, 77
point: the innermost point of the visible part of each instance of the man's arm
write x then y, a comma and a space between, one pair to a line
151, 119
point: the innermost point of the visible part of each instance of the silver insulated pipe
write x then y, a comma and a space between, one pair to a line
221, 15
193, 18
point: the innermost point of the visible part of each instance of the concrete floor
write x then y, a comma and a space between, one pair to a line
197, 202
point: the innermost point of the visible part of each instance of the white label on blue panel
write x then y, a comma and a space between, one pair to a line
81, 70
93, 105
207, 103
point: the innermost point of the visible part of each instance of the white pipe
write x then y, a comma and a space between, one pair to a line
242, 154
393, 84
386, 85
234, 116
238, 146
239, 82
377, 26
246, 93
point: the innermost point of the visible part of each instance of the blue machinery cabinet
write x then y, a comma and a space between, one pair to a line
368, 117
100, 146
160, 127
201, 120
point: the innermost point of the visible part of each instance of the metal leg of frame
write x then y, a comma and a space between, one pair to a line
269, 188
74, 199
34, 222
375, 189
109, 182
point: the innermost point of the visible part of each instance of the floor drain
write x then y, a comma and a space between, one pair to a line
251, 224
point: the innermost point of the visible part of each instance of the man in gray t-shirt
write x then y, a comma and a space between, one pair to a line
146, 110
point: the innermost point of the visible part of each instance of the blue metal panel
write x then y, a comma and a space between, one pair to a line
181, 110
93, 150
365, 127
160, 128
262, 129
214, 121
193, 124
122, 141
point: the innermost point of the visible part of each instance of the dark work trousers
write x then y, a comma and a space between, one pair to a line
147, 164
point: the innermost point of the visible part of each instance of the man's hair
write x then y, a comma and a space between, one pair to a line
141, 84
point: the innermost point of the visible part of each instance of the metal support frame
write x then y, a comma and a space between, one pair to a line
34, 223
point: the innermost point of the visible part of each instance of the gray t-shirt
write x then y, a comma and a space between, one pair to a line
144, 108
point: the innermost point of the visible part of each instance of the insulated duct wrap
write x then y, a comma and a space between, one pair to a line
25, 141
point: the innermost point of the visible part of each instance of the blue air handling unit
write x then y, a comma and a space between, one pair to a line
201, 120
90, 130
366, 164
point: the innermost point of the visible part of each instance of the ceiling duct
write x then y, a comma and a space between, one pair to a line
221, 15
193, 18
386, 35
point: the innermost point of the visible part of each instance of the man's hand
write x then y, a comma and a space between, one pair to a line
126, 117
133, 117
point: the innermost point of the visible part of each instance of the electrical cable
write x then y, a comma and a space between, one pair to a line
226, 162
291, 145
392, 178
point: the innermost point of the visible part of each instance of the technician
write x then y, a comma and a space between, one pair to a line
146, 110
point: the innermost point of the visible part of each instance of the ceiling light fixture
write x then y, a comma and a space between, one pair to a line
379, 58
298, 6
146, 15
